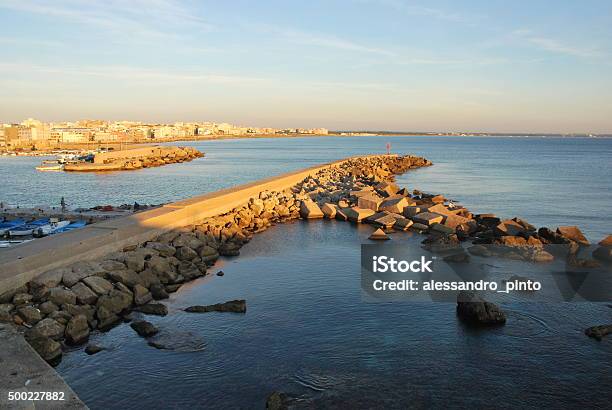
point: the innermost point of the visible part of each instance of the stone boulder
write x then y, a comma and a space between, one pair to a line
127, 276
369, 201
329, 210
357, 214
141, 295
598, 332
573, 233
428, 218
61, 296
395, 205
81, 271
77, 330
144, 328
29, 314
98, 285
234, 306
5, 312
162, 248
50, 279
310, 210
379, 235
47, 348
162, 269
152, 308
474, 309
402, 224
47, 328
185, 253
84, 294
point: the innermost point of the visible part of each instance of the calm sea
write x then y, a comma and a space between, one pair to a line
548, 181
307, 330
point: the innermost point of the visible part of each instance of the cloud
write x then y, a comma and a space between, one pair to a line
415, 10
136, 74
554, 46
146, 19
320, 40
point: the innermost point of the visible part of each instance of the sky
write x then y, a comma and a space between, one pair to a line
492, 66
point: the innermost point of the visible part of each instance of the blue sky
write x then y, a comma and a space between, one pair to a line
520, 66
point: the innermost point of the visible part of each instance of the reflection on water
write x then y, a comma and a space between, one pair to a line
308, 332
548, 181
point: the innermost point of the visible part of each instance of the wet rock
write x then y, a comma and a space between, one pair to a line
419, 227
172, 288
229, 249
379, 235
552, 237
47, 328
157, 309
511, 241
277, 401
159, 292
77, 330
573, 233
189, 270
144, 328
480, 250
442, 229
141, 295
235, 306
208, 254
220, 273
29, 314
598, 332
47, 348
607, 241
459, 257
474, 309
84, 295
402, 224
184, 253
92, 349
99, 285
61, 296
113, 303
509, 228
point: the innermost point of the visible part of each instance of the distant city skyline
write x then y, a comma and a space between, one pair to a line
439, 66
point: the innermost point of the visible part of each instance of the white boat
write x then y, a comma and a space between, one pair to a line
8, 244
50, 228
27, 229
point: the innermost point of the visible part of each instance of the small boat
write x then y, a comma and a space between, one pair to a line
71, 226
50, 167
6, 225
27, 229
8, 244
52, 227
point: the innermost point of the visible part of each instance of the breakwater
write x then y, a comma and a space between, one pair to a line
182, 240
137, 158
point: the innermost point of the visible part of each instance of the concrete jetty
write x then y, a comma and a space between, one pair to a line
20, 264
137, 158
23, 371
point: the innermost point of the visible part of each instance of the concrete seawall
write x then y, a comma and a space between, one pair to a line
22, 263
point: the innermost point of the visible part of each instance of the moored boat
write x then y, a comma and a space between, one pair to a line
7, 225
71, 226
28, 229
50, 228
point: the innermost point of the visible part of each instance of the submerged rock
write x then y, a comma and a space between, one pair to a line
474, 309
153, 309
598, 332
235, 306
144, 328
92, 349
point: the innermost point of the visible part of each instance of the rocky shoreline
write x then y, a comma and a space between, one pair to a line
63, 306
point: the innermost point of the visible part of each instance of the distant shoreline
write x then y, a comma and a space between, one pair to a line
92, 146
